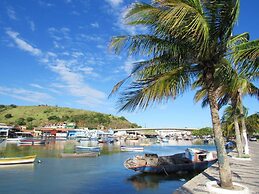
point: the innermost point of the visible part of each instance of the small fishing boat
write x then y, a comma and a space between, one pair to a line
32, 142
17, 160
88, 149
132, 149
191, 160
79, 155
14, 139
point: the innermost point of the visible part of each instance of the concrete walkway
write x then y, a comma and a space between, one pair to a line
244, 172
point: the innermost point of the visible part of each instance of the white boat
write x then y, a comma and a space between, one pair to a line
89, 149
14, 139
17, 160
132, 149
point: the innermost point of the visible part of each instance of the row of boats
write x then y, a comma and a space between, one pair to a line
190, 160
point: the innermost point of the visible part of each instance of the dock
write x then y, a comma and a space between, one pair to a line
245, 172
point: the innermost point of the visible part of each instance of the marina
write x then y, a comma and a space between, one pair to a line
87, 174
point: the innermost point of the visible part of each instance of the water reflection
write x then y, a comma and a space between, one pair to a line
53, 149
18, 167
152, 181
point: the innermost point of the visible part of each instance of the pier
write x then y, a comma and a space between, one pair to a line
245, 172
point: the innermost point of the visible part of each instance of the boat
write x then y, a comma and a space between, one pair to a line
106, 140
191, 160
79, 155
14, 139
88, 149
132, 149
17, 160
32, 142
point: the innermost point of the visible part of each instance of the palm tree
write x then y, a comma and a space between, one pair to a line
241, 85
185, 39
236, 81
230, 121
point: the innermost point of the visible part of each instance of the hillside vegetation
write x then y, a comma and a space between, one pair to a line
33, 116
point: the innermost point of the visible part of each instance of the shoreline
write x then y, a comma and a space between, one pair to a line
245, 172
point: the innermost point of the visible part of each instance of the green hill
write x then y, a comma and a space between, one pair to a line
34, 116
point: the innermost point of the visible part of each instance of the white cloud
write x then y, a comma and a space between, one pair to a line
11, 13
114, 3
26, 95
128, 66
32, 25
23, 45
36, 86
75, 84
95, 25
45, 4
72, 70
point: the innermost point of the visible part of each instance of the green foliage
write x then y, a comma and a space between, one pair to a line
20, 121
8, 116
252, 123
42, 114
203, 132
54, 118
13, 105
30, 119
123, 118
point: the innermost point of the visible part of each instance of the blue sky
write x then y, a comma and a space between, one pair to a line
56, 53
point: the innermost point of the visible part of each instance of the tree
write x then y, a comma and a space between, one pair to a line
8, 116
20, 121
13, 105
203, 132
230, 120
54, 118
238, 84
252, 123
185, 40
30, 119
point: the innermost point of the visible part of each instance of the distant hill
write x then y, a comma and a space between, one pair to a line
33, 116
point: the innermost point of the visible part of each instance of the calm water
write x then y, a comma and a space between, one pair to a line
104, 174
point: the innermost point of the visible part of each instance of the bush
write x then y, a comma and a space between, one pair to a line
20, 121
13, 105
8, 116
203, 132
53, 118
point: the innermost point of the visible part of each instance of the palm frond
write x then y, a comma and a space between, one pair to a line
161, 87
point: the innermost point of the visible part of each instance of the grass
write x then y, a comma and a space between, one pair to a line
41, 116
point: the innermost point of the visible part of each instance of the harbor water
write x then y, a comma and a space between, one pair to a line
102, 174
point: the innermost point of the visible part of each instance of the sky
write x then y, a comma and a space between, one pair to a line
56, 53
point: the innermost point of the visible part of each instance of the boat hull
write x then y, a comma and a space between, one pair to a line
77, 155
88, 149
32, 142
167, 169
132, 149
17, 160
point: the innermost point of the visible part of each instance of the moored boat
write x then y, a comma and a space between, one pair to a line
132, 149
190, 160
17, 160
88, 149
79, 155
32, 142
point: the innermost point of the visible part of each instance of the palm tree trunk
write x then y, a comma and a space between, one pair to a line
237, 130
224, 167
238, 137
243, 125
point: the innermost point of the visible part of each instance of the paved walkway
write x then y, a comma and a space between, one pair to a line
244, 172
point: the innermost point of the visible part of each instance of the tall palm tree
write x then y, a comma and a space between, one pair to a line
235, 81
230, 120
184, 39
239, 85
